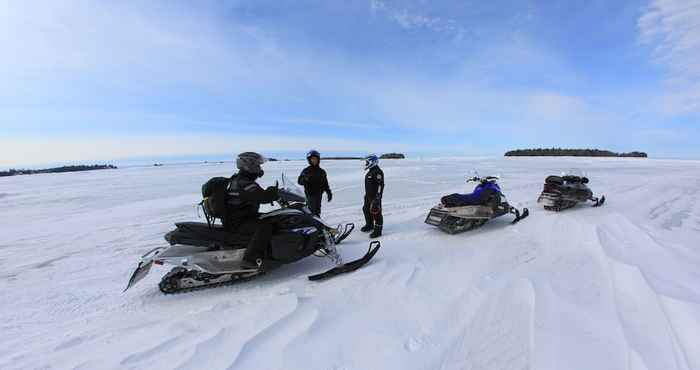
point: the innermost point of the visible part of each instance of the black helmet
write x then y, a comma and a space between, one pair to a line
313, 153
251, 162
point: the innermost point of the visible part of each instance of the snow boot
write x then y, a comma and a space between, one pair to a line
366, 228
376, 233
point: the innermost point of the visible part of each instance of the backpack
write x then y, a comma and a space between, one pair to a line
215, 194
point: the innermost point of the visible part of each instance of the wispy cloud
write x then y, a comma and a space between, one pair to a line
414, 20
672, 29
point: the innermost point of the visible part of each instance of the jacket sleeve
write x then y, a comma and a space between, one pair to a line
380, 183
324, 185
254, 193
300, 180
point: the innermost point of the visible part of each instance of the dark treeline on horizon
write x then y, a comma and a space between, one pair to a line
14, 172
559, 152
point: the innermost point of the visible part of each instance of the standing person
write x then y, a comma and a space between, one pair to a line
374, 189
315, 182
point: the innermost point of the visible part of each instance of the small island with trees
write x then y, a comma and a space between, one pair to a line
15, 172
559, 152
392, 156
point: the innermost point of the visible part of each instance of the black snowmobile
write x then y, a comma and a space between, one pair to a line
562, 192
458, 213
205, 255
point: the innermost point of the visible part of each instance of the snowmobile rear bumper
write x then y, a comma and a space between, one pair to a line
144, 267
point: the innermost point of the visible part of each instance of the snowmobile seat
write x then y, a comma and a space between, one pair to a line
453, 200
570, 179
203, 235
556, 180
461, 200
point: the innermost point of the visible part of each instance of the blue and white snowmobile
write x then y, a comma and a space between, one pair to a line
458, 213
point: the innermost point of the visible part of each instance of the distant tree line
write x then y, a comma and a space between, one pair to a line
14, 172
393, 156
559, 152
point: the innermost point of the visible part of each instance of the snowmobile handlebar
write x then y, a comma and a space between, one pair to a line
480, 179
286, 197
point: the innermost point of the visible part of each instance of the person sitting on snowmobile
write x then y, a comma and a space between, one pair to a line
315, 182
374, 189
245, 198
482, 193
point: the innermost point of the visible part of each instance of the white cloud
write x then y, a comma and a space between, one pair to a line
672, 29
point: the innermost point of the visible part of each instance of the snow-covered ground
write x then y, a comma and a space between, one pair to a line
616, 287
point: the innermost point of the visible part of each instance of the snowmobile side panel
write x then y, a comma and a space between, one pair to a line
350, 266
212, 262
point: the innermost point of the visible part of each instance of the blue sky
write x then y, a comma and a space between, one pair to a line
99, 80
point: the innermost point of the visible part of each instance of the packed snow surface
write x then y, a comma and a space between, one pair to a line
616, 287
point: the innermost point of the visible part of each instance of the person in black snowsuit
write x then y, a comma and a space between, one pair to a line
374, 189
245, 198
315, 182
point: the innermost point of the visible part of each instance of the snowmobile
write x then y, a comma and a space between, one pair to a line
458, 213
205, 255
562, 192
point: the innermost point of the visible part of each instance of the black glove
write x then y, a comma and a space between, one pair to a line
274, 191
329, 195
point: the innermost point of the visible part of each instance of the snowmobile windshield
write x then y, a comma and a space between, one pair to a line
573, 172
290, 186
574, 176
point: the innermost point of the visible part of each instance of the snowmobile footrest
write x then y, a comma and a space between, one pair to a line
347, 230
599, 202
519, 216
350, 266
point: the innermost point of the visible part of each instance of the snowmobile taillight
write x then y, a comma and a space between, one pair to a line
549, 188
158, 262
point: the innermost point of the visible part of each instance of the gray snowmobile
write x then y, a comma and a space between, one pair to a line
205, 255
458, 213
563, 192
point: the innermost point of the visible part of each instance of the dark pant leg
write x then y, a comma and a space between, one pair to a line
314, 203
365, 210
378, 218
258, 245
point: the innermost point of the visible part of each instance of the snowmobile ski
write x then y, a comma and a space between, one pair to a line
339, 235
350, 266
